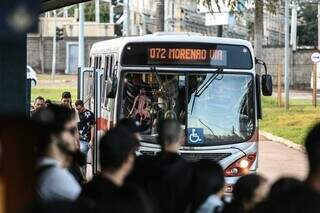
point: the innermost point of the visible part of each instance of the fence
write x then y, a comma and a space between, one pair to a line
306, 81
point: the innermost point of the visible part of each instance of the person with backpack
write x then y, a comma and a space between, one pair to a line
56, 150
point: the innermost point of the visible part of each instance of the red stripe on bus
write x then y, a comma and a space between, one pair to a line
102, 124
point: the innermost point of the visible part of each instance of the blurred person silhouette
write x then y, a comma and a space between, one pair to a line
133, 126
280, 196
129, 199
247, 193
56, 150
39, 103
117, 154
283, 186
77, 168
289, 195
66, 100
166, 177
208, 187
312, 145
48, 102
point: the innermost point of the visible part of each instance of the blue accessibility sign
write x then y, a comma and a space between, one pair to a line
195, 135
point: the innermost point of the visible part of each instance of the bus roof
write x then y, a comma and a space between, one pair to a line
116, 45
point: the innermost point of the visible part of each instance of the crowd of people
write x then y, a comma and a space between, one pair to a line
163, 183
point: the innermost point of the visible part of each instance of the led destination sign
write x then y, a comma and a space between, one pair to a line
187, 55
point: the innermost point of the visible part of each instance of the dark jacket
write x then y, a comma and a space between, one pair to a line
166, 178
98, 190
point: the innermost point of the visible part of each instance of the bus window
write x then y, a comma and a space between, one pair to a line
103, 62
148, 102
96, 60
99, 66
106, 70
222, 109
111, 66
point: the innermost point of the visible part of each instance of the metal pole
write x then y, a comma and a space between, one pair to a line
314, 84
286, 54
126, 23
293, 39
279, 73
97, 10
65, 12
159, 14
144, 25
54, 44
132, 11
319, 26
111, 13
317, 66
81, 36
167, 15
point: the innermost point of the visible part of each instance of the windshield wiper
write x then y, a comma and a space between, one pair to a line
207, 126
201, 90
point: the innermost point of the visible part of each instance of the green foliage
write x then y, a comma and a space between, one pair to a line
90, 12
237, 6
272, 5
293, 124
71, 11
307, 31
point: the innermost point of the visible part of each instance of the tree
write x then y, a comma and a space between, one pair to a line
307, 31
90, 12
159, 15
271, 6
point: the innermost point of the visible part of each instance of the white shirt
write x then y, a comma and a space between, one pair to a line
56, 183
210, 204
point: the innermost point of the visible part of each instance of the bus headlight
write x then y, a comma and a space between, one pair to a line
244, 163
241, 166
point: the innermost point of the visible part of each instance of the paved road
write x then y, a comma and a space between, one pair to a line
276, 160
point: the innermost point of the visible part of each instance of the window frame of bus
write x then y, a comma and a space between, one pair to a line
187, 73
148, 45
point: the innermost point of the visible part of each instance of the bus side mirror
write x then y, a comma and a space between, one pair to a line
266, 81
112, 90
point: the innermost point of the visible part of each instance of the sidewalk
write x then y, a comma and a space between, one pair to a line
297, 94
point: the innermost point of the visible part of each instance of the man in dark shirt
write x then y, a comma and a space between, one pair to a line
166, 178
117, 154
85, 126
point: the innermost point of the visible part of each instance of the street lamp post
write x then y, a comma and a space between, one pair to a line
286, 55
54, 45
81, 36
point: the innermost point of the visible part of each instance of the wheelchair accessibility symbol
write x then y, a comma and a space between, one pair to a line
195, 135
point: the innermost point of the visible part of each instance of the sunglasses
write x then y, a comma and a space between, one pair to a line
71, 130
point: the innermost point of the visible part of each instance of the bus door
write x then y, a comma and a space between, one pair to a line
85, 86
90, 87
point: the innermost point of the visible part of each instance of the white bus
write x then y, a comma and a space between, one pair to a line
209, 84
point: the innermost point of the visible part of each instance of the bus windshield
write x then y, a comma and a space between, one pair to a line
211, 112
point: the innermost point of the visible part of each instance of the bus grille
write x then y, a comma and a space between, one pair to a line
150, 153
209, 156
196, 156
